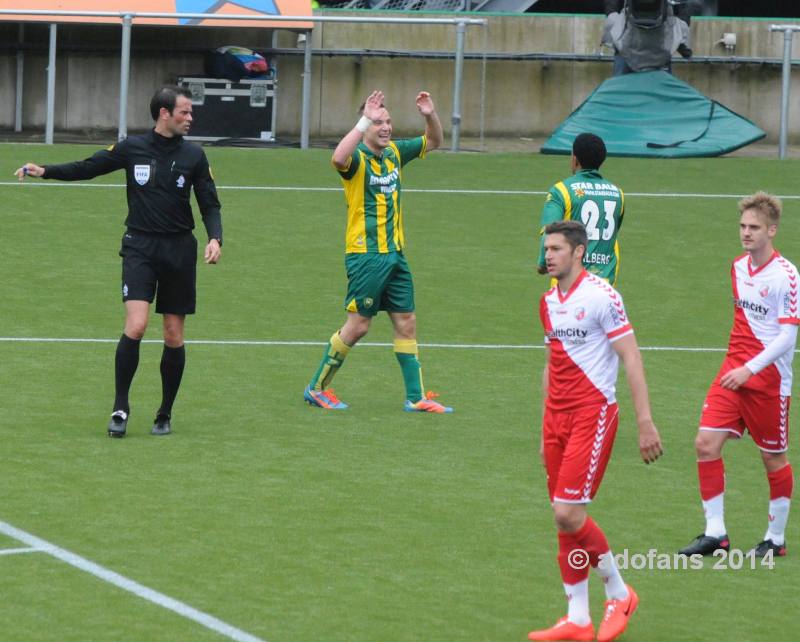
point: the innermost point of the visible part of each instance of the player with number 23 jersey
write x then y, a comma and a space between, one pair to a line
588, 198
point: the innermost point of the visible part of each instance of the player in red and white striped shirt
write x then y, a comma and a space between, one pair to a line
587, 332
752, 389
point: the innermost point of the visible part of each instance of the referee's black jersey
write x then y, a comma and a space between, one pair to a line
160, 174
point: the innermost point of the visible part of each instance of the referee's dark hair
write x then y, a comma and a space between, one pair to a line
573, 231
166, 97
590, 150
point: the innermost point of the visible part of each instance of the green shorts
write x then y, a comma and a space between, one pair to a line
378, 282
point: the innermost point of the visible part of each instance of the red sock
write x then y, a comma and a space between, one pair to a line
712, 478
781, 482
593, 540
574, 564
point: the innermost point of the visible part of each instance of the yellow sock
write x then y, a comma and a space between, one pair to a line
334, 356
407, 352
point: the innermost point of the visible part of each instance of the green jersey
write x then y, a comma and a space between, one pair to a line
600, 206
373, 194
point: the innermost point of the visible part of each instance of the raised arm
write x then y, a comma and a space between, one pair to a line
649, 440
344, 150
433, 127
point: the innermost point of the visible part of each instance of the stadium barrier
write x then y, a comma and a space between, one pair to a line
127, 19
522, 73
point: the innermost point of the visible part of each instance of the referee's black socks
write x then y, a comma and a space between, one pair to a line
172, 362
125, 364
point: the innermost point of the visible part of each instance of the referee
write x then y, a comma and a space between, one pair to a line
159, 251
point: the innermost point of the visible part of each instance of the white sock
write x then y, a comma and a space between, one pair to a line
778, 516
578, 602
714, 510
608, 571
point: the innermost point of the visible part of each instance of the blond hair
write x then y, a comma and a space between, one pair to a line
768, 206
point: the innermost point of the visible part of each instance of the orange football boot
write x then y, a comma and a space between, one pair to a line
618, 612
564, 630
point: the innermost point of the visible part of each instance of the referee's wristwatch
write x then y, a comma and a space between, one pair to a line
218, 240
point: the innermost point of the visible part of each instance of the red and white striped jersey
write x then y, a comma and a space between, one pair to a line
763, 299
580, 327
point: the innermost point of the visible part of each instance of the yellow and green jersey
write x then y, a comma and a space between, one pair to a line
600, 206
373, 195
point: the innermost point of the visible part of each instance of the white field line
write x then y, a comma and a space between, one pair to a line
122, 582
488, 192
243, 342
17, 551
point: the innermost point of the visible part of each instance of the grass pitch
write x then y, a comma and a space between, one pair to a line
373, 524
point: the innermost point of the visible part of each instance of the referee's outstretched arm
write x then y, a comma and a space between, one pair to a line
102, 162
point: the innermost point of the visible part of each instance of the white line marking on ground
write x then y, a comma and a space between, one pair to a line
368, 344
120, 581
488, 192
17, 551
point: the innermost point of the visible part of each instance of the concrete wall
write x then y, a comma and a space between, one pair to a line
521, 98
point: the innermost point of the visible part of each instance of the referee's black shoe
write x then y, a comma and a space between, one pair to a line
706, 545
118, 423
161, 425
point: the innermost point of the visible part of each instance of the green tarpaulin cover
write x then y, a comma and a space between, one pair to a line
652, 113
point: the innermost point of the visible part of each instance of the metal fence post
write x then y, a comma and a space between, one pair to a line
20, 82
306, 109
124, 76
455, 135
51, 87
788, 34
787, 79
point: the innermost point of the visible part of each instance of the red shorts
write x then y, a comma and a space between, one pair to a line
764, 415
577, 447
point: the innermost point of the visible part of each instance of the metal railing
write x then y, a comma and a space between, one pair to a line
126, 19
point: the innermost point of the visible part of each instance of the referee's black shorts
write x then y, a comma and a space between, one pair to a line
160, 267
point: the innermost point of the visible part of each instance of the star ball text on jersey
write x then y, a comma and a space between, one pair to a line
759, 311
595, 189
388, 183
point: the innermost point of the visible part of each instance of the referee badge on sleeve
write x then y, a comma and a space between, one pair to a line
141, 173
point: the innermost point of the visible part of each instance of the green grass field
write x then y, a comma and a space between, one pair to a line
370, 525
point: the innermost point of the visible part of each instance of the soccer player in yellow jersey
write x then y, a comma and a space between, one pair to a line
370, 164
